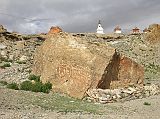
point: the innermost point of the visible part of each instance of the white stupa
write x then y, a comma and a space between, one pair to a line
100, 29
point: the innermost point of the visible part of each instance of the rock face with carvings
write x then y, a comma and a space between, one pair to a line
54, 30
74, 65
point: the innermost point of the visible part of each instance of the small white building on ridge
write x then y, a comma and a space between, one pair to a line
100, 29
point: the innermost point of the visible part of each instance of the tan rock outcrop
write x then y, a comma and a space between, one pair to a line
153, 36
54, 30
74, 65
2, 29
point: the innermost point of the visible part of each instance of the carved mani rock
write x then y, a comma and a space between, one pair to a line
54, 30
74, 65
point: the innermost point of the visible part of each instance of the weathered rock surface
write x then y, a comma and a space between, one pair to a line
74, 65
2, 29
121, 72
154, 35
55, 30
71, 64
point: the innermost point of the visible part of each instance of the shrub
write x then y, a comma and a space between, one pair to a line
34, 77
46, 87
21, 62
3, 82
13, 86
37, 87
146, 103
26, 85
5, 65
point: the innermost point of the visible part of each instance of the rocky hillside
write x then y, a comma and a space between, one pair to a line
18, 47
81, 64
144, 49
19, 50
16, 55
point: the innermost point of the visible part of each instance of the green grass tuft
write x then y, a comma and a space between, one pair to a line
36, 86
3, 82
147, 103
13, 86
26, 85
67, 104
21, 62
5, 65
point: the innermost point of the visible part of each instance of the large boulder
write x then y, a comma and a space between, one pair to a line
74, 65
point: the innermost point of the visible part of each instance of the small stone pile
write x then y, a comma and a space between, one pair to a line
120, 95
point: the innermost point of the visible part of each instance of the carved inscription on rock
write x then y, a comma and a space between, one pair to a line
74, 72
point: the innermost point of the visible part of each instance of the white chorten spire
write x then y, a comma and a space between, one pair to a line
100, 29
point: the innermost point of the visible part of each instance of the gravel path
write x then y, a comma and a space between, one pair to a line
14, 106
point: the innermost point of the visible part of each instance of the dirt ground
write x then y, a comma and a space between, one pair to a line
12, 106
